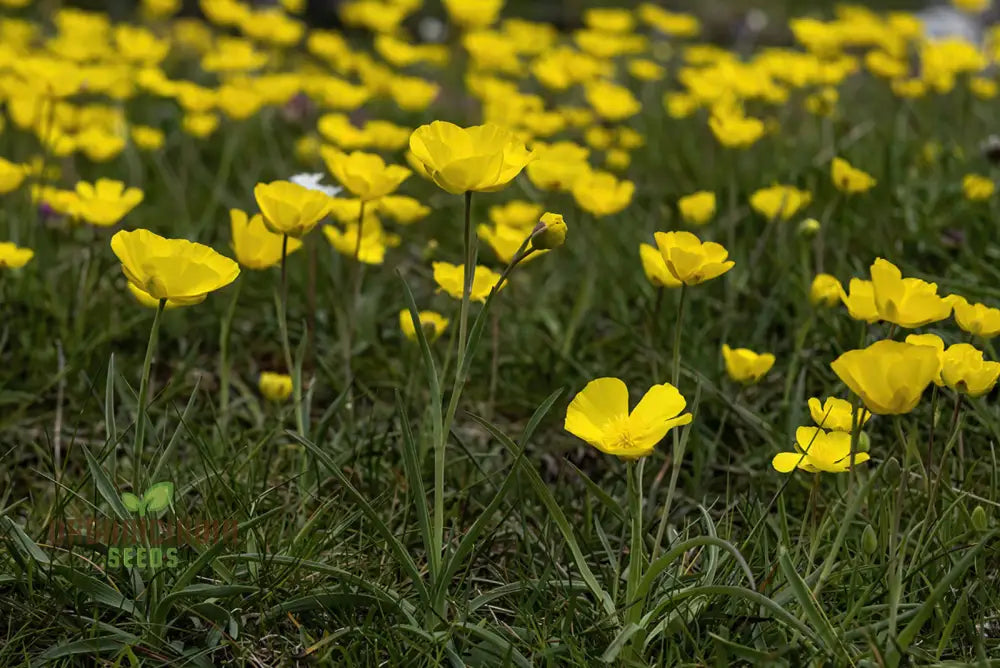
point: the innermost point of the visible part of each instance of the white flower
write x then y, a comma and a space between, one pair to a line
312, 181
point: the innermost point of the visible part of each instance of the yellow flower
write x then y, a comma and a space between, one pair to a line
172, 269
645, 69
818, 451
364, 174
889, 376
983, 88
14, 257
149, 302
549, 233
826, 290
104, 202
907, 302
655, 267
611, 101
431, 322
413, 93
836, 414
972, 6
617, 159
779, 202
373, 243
473, 13
275, 386
289, 208
11, 176
932, 341
964, 370
200, 125
744, 365
976, 187
481, 158
976, 319
609, 19
256, 246
690, 260
504, 240
734, 130
516, 213
451, 279
558, 165
599, 415
860, 300
697, 208
601, 193
147, 138
402, 209
849, 179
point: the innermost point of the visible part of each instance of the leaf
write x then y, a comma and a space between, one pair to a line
411, 464
104, 485
109, 403
619, 642
22, 541
131, 501
809, 604
158, 496
104, 644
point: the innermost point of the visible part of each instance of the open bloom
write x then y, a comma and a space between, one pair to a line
976, 319
735, 130
365, 174
431, 322
848, 179
402, 209
558, 166
697, 208
826, 290
14, 257
836, 414
104, 202
889, 376
11, 175
257, 247
907, 302
174, 269
601, 193
289, 208
451, 279
655, 267
744, 365
599, 415
817, 450
779, 202
480, 158
690, 260
275, 386
145, 300
963, 369
860, 300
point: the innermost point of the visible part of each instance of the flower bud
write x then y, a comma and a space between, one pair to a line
980, 521
869, 541
891, 471
864, 442
809, 227
549, 233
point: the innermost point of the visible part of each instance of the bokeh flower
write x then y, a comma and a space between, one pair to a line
105, 202
744, 365
13, 256
434, 324
849, 179
451, 279
697, 208
779, 202
275, 387
826, 290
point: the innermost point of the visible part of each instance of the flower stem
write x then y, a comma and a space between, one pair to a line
140, 427
224, 370
357, 277
285, 342
634, 607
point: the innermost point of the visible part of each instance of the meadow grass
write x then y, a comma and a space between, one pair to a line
365, 536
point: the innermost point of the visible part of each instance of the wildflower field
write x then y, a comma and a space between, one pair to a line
435, 335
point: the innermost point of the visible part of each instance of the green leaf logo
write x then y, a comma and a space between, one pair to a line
155, 499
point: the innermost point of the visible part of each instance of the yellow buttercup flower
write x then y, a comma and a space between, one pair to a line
601, 193
275, 386
147, 138
550, 233
779, 202
977, 188
364, 174
370, 248
744, 365
402, 209
289, 208
690, 260
836, 414
431, 322
697, 208
934, 342
174, 269
481, 158
889, 376
558, 165
504, 240
11, 176
105, 202
976, 319
734, 130
14, 257
517, 214
907, 302
611, 102
256, 246
600, 416
964, 370
848, 179
655, 267
149, 302
826, 290
860, 300
972, 6
451, 279
200, 125
818, 451
473, 13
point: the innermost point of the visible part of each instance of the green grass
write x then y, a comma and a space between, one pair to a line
336, 561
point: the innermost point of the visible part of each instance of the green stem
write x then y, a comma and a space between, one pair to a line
224, 363
633, 612
352, 310
286, 342
675, 377
140, 427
